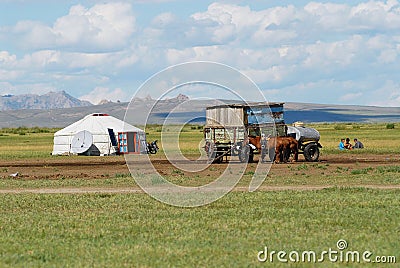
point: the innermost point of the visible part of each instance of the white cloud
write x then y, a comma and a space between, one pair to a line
101, 93
320, 51
40, 59
273, 74
231, 23
224, 14
283, 51
375, 14
378, 42
328, 15
127, 59
103, 27
86, 60
388, 56
7, 59
164, 19
9, 75
327, 55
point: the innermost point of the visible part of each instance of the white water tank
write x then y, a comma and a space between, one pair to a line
304, 134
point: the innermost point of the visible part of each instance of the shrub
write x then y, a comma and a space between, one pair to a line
122, 175
26, 130
390, 126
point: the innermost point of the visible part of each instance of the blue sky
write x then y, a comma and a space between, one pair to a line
338, 52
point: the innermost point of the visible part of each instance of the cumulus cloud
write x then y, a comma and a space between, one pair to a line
321, 51
308, 24
106, 26
6, 58
103, 27
266, 27
40, 59
376, 15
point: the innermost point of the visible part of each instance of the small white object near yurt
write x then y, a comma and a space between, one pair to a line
99, 134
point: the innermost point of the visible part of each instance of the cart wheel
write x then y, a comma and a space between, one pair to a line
311, 152
218, 158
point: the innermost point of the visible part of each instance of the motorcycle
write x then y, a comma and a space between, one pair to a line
152, 147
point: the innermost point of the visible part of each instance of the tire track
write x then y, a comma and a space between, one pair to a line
133, 190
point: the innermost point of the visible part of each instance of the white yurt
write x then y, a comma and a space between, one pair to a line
99, 134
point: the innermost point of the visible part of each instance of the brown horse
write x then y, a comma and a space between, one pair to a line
283, 146
292, 148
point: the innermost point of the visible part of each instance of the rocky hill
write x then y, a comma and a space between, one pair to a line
51, 100
182, 111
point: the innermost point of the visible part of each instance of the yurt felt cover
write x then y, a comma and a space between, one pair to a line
97, 124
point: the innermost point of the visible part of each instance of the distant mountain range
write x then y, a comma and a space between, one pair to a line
60, 109
51, 100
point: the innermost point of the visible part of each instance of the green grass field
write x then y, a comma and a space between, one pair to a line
114, 230
134, 230
376, 138
28, 145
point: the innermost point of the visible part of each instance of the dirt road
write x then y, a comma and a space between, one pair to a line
109, 167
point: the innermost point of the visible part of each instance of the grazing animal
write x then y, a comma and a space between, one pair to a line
292, 148
283, 147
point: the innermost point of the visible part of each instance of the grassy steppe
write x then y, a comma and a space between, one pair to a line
376, 137
29, 145
133, 230
34, 143
115, 230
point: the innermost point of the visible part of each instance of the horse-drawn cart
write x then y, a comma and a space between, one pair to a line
243, 130
228, 128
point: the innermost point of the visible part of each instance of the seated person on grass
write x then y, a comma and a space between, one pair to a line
341, 144
347, 144
358, 144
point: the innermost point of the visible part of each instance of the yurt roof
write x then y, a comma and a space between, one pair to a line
98, 123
